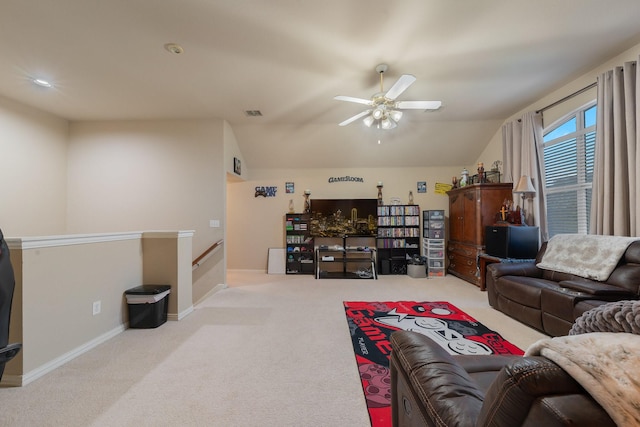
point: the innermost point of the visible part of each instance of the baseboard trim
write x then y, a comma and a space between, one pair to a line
246, 270
181, 315
22, 380
216, 288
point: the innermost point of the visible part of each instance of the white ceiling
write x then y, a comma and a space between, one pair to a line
485, 60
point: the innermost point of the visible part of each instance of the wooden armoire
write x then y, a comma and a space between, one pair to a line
471, 208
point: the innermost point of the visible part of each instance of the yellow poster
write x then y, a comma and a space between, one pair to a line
442, 188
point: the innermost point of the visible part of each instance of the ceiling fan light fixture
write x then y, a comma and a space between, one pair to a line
395, 115
368, 121
386, 123
384, 107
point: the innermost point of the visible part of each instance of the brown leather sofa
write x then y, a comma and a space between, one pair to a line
430, 387
550, 301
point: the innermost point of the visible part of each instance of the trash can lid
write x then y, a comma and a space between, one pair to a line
148, 289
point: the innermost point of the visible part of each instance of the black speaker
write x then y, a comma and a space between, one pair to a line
519, 242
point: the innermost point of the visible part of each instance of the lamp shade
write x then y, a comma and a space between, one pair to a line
525, 185
395, 115
368, 121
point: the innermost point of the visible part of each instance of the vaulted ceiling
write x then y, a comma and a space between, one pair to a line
484, 60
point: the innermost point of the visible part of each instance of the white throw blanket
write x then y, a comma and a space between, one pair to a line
590, 256
605, 364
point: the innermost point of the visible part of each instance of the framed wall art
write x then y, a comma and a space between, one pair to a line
237, 166
289, 187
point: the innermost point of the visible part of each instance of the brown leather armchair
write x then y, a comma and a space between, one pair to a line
430, 387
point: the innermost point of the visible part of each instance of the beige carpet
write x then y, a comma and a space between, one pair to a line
270, 350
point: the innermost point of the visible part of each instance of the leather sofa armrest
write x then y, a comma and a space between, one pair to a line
444, 389
592, 287
529, 269
519, 387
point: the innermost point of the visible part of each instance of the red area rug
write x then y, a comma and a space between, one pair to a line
371, 324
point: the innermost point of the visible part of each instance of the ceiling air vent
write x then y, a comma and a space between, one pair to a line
253, 113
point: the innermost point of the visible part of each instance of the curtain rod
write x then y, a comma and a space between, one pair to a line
576, 93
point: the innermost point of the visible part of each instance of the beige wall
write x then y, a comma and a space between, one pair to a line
256, 224
167, 260
33, 158
150, 175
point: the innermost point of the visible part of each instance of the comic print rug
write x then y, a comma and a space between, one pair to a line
371, 324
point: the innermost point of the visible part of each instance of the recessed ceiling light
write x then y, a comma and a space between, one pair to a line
42, 82
174, 48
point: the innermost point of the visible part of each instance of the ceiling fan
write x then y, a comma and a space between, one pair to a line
384, 110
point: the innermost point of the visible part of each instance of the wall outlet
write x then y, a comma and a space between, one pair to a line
97, 306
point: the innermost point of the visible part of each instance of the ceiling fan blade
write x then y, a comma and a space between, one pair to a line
418, 105
352, 99
400, 86
354, 118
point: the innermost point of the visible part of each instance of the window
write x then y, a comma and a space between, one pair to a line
569, 147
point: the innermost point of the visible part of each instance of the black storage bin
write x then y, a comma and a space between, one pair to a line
148, 305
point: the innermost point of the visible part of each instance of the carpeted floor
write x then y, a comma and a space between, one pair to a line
270, 350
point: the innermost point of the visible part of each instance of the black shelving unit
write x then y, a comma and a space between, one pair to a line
398, 237
299, 244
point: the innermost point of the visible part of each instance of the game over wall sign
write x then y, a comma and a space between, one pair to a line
266, 191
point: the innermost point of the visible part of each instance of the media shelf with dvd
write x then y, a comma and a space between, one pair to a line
398, 237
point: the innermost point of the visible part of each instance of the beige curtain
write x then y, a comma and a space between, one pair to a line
615, 203
522, 155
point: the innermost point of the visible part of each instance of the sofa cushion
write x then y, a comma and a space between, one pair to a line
523, 290
558, 276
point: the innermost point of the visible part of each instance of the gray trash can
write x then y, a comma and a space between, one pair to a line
148, 305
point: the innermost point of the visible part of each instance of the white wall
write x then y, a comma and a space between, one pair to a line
33, 163
256, 224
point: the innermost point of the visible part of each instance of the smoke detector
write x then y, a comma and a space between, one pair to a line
174, 48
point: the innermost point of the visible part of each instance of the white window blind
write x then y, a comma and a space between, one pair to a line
569, 147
